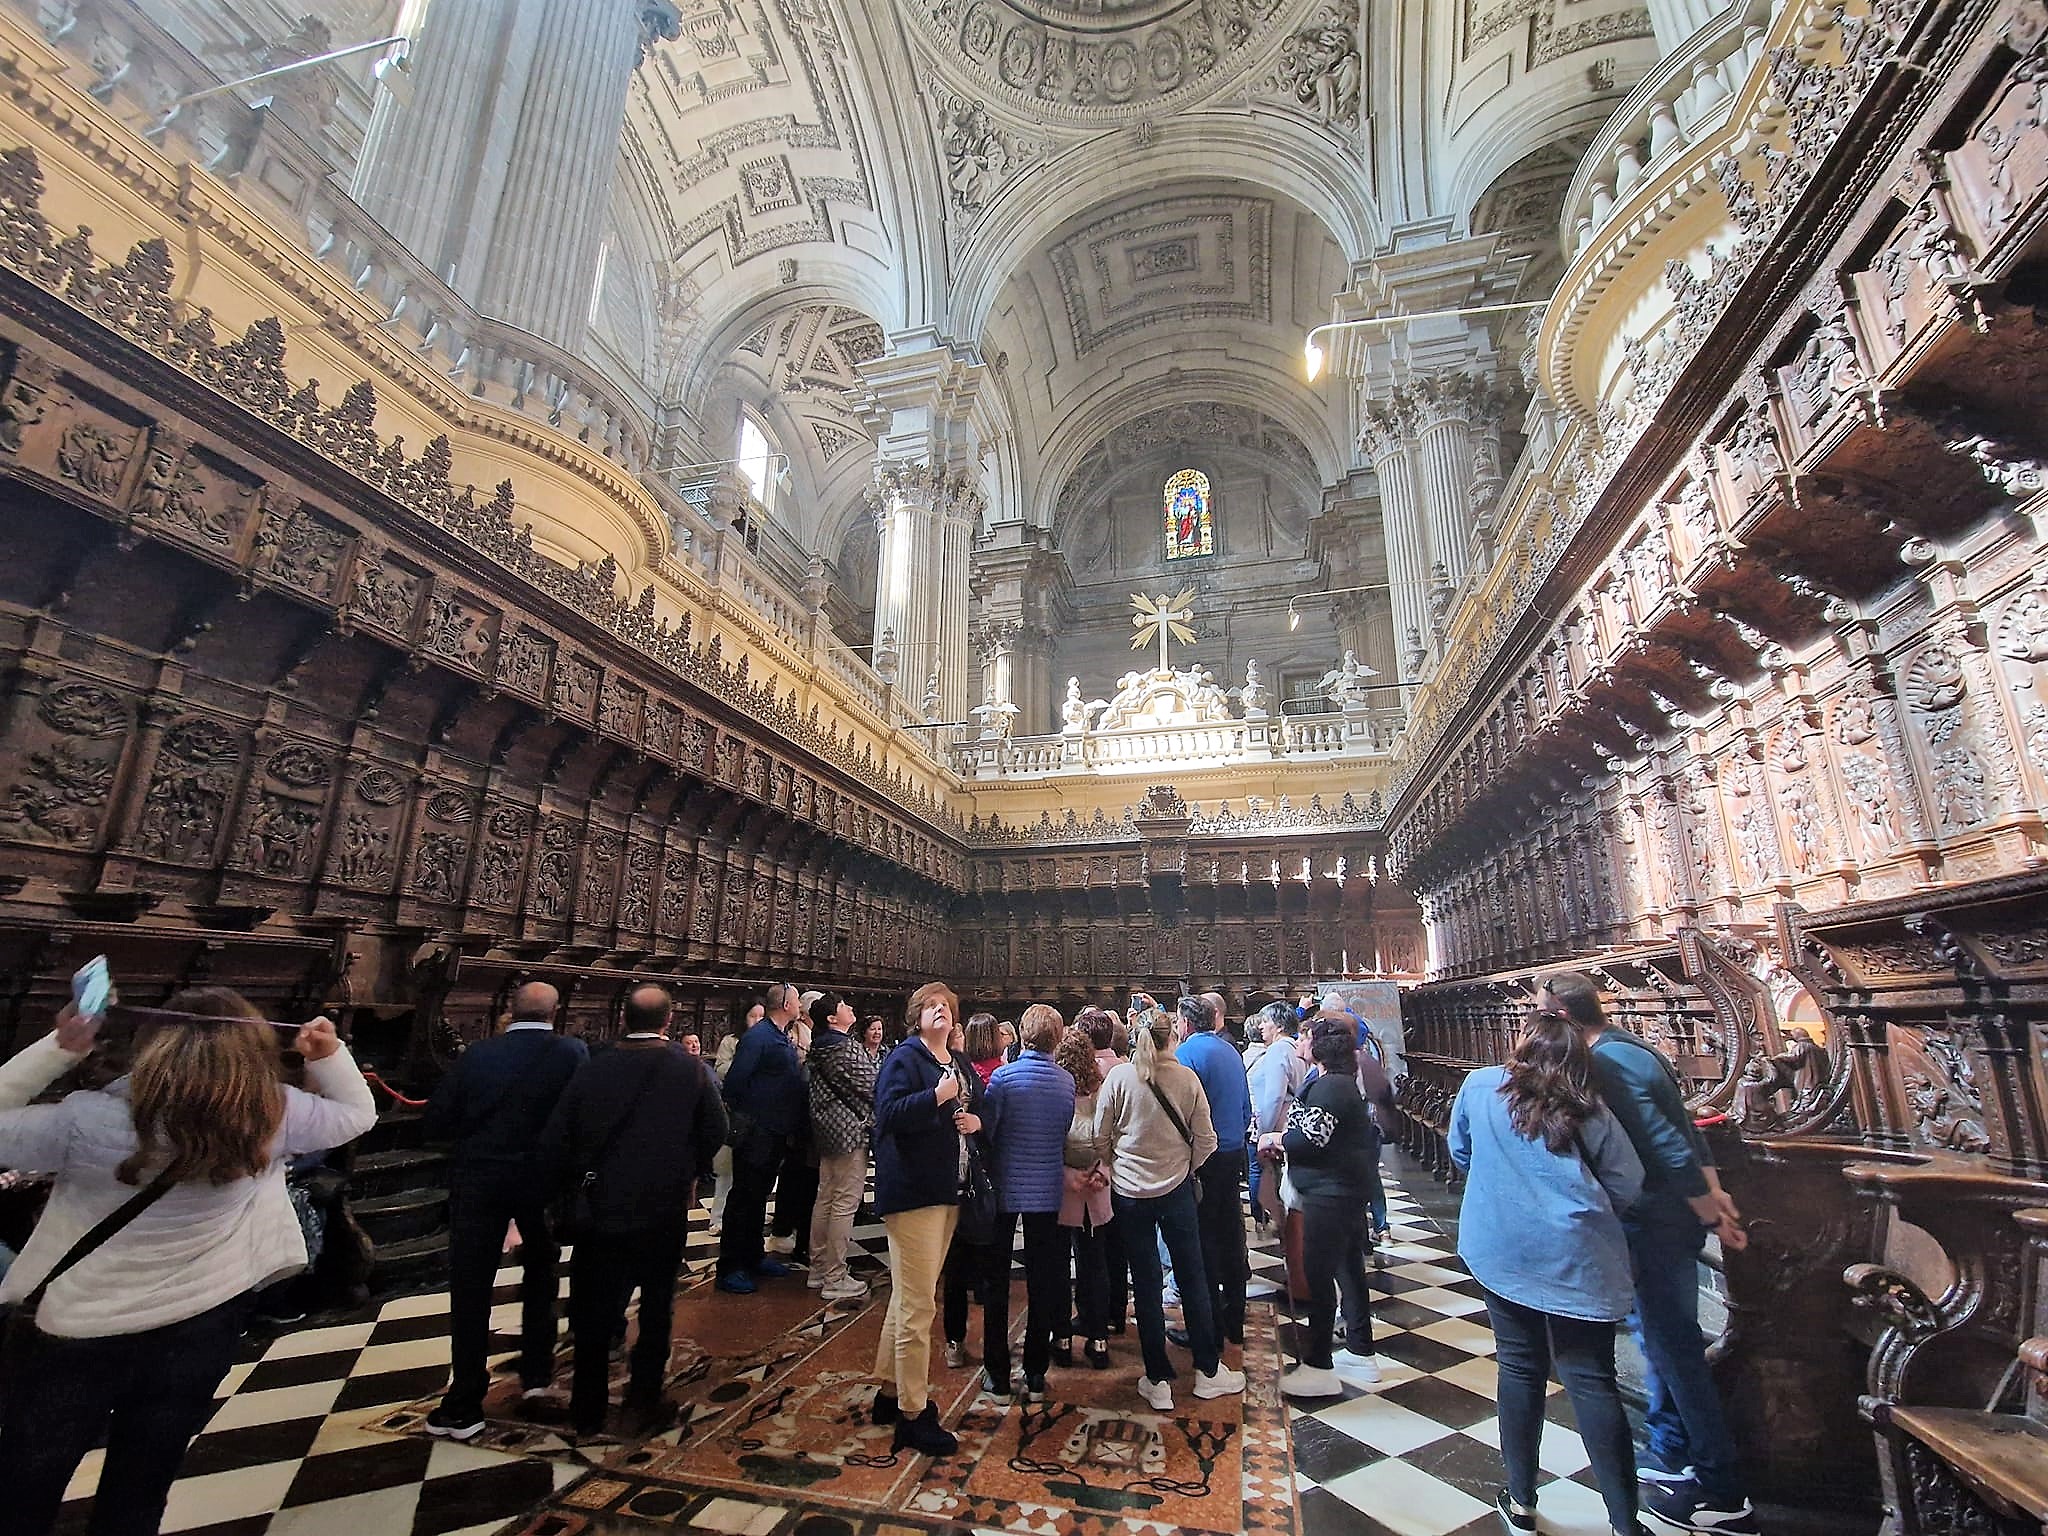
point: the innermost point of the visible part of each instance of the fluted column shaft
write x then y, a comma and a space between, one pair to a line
951, 608
1446, 455
500, 166
1391, 451
1673, 22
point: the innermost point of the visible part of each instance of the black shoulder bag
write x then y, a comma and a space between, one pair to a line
1180, 1124
21, 1321
582, 1214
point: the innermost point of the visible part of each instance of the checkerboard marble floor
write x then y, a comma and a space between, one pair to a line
290, 1451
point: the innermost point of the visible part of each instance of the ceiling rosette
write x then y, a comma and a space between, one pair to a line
1098, 63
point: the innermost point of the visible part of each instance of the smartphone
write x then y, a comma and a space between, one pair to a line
92, 988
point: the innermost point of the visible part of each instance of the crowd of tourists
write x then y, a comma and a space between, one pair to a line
1114, 1154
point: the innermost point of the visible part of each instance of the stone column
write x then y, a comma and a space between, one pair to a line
951, 604
1387, 442
907, 547
499, 167
1443, 411
1031, 677
1673, 22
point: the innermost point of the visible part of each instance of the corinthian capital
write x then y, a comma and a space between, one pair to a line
948, 491
1386, 426
1443, 398
660, 22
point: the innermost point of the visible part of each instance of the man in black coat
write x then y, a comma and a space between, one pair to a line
491, 1106
630, 1139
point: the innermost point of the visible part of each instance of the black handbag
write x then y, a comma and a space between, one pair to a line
979, 1208
22, 1332
582, 1213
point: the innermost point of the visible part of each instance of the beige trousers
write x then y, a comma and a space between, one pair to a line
841, 1177
917, 1252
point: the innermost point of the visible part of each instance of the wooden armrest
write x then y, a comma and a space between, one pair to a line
2004, 1455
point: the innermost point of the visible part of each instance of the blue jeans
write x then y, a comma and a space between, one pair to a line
1145, 1223
1684, 1423
1528, 1345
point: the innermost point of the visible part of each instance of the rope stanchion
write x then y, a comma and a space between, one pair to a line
370, 1076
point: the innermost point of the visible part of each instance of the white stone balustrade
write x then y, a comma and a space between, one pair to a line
1688, 92
1357, 733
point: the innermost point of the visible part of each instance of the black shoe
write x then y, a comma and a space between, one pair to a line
925, 1434
1063, 1354
1685, 1506
997, 1386
641, 1418
445, 1423
1098, 1354
884, 1409
1178, 1337
1515, 1518
1117, 1327
1034, 1389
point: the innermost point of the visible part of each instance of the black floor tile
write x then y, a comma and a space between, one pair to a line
254, 1445
364, 1469
1443, 1401
1324, 1514
479, 1496
391, 1387
301, 1371
1323, 1452
1424, 1354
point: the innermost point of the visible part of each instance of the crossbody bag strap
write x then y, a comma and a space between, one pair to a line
97, 1238
1179, 1123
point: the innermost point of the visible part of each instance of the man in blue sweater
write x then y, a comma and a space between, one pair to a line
765, 1096
493, 1105
1689, 1470
1207, 1051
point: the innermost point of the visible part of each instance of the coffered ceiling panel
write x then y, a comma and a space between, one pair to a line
1176, 259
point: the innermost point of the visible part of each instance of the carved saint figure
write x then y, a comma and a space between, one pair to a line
975, 158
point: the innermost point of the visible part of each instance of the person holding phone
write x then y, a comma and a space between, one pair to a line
168, 1212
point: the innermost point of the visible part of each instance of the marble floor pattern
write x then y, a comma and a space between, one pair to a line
290, 1452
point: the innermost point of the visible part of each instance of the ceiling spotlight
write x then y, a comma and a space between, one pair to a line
1313, 356
1293, 617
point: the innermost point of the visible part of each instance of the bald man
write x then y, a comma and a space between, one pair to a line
492, 1106
635, 1130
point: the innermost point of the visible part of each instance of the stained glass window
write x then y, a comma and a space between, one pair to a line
1190, 527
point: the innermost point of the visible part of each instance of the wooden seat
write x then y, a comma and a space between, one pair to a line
2002, 1456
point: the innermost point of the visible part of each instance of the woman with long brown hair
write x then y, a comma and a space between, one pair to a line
135, 1324
1548, 1172
1084, 1207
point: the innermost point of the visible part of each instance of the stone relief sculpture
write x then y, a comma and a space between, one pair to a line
1320, 65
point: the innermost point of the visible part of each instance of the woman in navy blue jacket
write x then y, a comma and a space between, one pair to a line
1029, 1106
921, 1130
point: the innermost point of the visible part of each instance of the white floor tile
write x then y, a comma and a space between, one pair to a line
1560, 1452
1382, 1425
320, 1341
244, 1409
404, 1356
223, 1496
1457, 1332
1405, 1500
387, 1509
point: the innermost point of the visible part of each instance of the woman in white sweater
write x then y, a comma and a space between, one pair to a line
131, 1340
1152, 1128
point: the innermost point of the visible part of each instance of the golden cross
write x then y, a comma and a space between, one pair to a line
1161, 617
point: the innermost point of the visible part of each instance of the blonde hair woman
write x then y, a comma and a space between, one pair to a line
1153, 1129
921, 1132
169, 1210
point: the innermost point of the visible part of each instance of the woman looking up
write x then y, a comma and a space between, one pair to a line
921, 1132
1548, 1171
131, 1338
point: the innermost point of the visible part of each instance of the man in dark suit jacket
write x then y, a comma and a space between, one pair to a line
492, 1106
765, 1095
632, 1136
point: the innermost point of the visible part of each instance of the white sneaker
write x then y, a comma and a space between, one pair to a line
1158, 1393
780, 1245
1365, 1368
714, 1226
815, 1279
1170, 1297
848, 1289
1258, 1290
1311, 1381
1222, 1382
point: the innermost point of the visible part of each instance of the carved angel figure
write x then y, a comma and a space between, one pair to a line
1347, 684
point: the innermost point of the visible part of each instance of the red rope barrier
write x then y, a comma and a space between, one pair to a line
370, 1076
